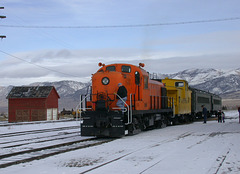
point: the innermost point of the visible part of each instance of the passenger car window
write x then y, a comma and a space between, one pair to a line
218, 102
203, 100
111, 68
126, 69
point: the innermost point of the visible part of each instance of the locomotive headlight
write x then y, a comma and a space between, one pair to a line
105, 80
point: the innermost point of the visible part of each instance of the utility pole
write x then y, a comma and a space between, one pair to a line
2, 17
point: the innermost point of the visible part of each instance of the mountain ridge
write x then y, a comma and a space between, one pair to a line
224, 83
215, 81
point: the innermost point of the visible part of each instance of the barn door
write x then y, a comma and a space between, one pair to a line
49, 114
55, 113
52, 114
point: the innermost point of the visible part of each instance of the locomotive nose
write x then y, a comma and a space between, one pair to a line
104, 123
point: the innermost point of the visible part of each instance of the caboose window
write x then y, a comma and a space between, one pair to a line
179, 84
111, 68
126, 69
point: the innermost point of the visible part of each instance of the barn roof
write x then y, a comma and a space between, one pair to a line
31, 92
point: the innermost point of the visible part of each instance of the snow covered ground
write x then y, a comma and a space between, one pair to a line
185, 149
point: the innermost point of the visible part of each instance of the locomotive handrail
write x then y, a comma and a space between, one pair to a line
131, 106
128, 109
80, 106
129, 117
171, 102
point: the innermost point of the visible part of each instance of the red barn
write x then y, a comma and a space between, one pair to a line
32, 103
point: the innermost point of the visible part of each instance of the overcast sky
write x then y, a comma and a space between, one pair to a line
52, 40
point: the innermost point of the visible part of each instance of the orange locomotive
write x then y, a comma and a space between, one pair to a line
147, 104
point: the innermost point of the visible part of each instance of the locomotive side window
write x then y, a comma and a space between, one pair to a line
145, 82
137, 78
111, 68
126, 69
179, 84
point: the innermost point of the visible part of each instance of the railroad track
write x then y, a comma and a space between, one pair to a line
43, 139
37, 131
18, 147
29, 139
43, 152
5, 123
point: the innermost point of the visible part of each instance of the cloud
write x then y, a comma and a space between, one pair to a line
54, 65
176, 64
197, 44
212, 50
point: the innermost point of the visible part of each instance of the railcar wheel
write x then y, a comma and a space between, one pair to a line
134, 128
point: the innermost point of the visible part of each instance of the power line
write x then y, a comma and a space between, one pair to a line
123, 26
49, 69
60, 41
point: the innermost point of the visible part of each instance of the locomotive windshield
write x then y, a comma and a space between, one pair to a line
111, 68
126, 69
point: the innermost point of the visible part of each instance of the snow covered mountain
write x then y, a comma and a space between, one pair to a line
69, 92
224, 83
219, 82
65, 88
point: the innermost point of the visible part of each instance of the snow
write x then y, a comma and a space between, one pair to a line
198, 76
191, 148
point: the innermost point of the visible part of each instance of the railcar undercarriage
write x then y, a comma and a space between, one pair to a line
115, 124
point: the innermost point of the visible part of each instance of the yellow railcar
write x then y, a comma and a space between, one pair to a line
179, 91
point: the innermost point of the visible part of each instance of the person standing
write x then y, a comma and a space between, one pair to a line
239, 113
223, 117
122, 92
219, 114
204, 112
